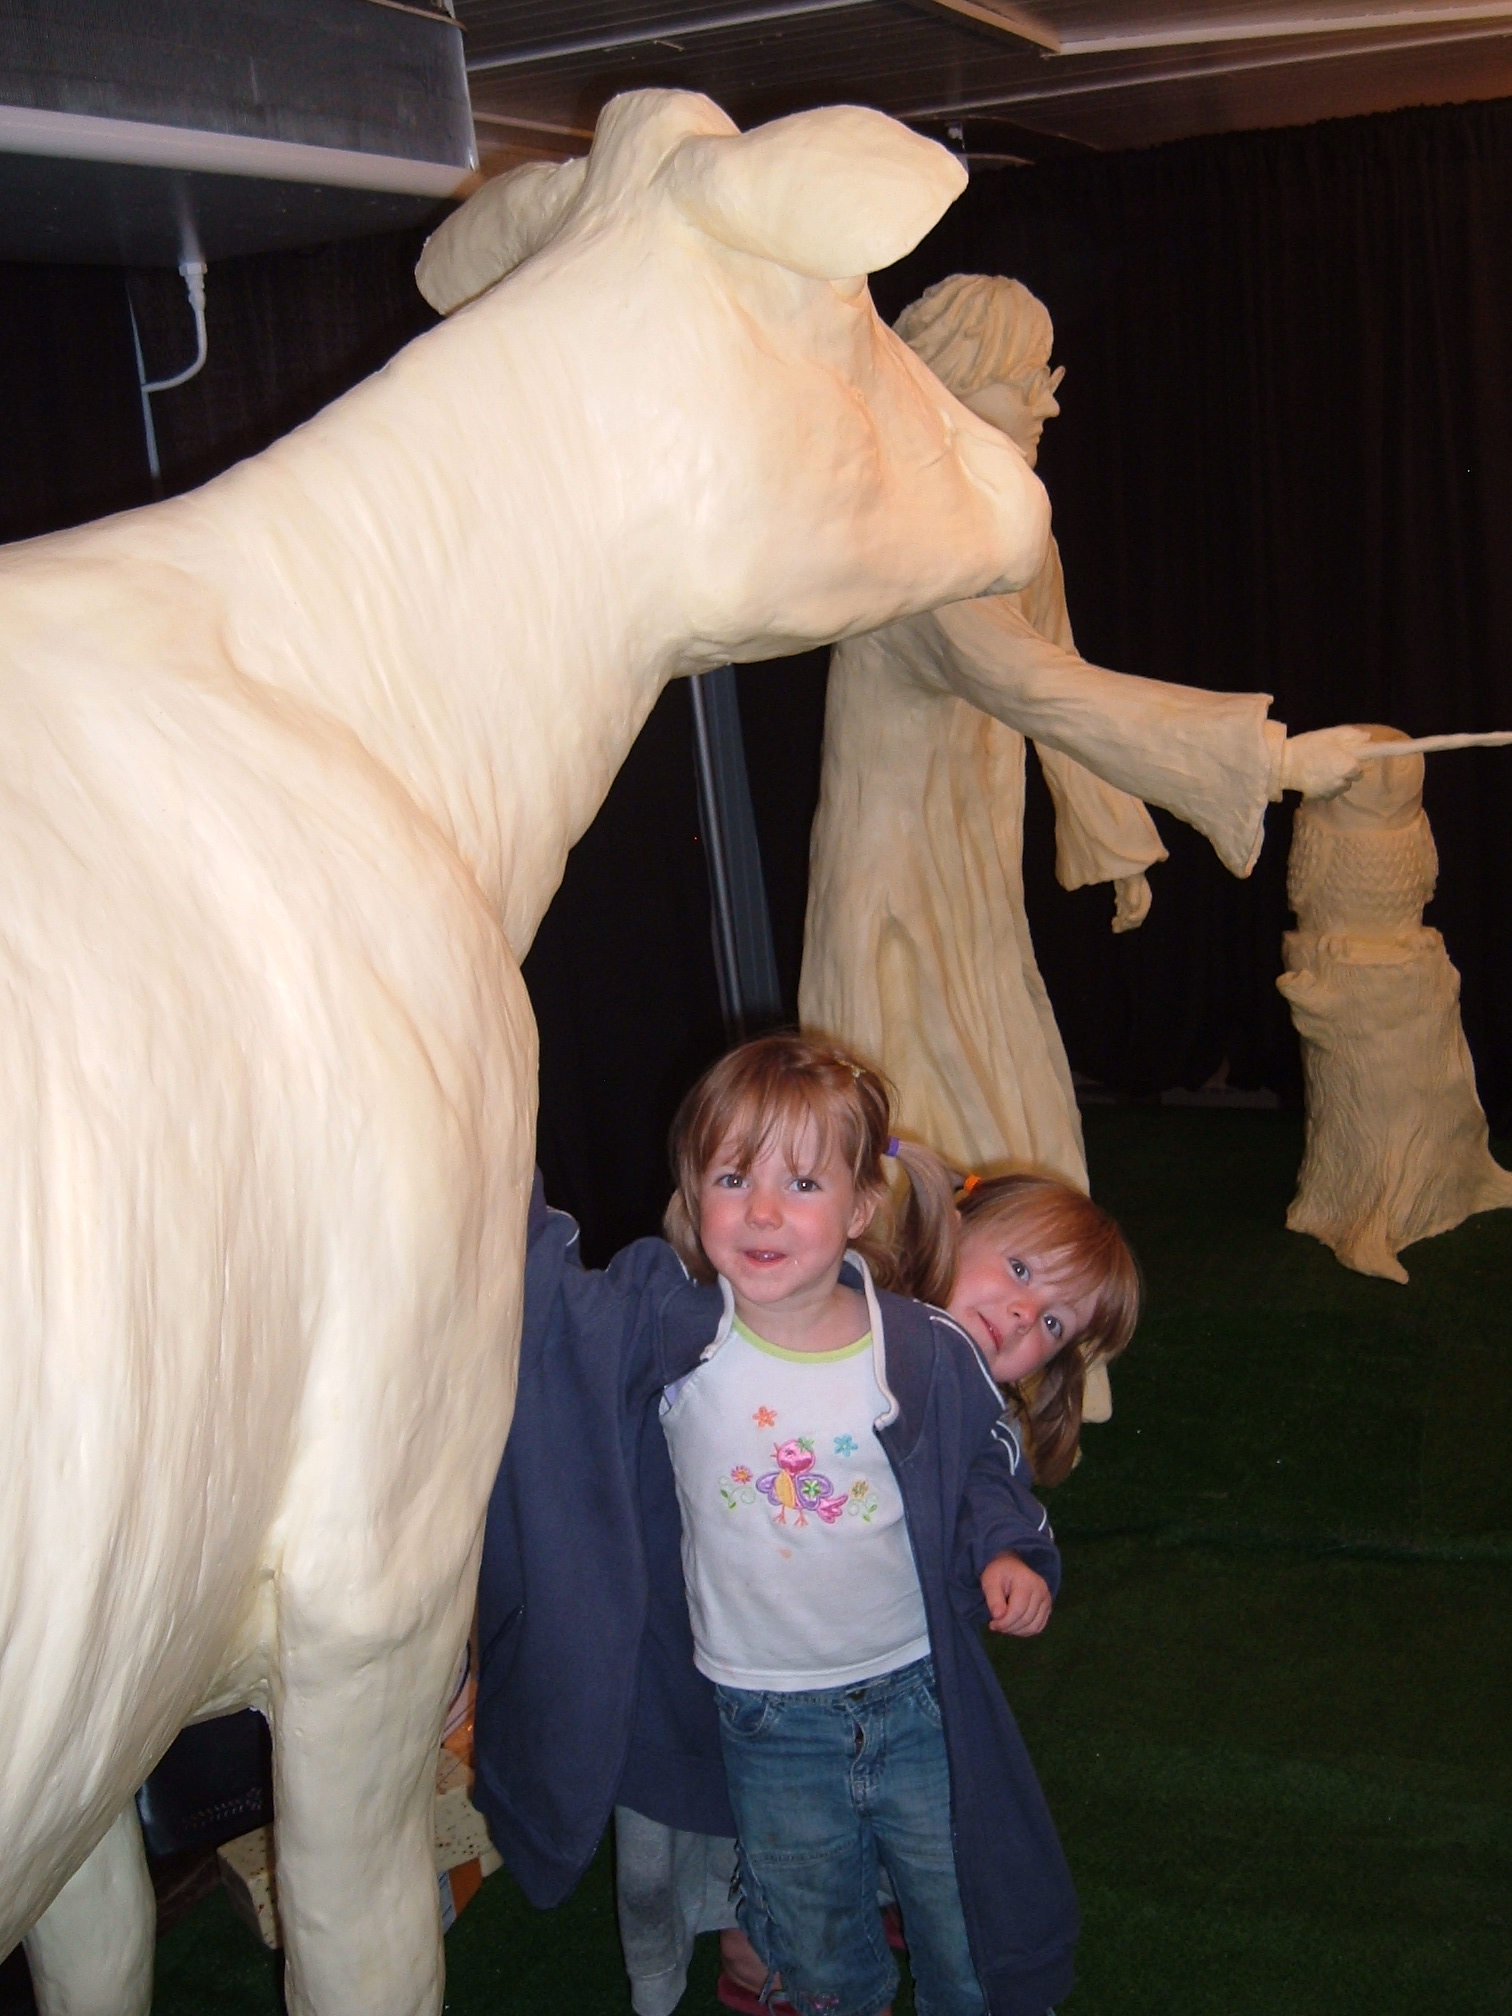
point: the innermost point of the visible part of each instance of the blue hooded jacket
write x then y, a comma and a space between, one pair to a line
587, 1692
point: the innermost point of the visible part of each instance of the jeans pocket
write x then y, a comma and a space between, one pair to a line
743, 1712
929, 1696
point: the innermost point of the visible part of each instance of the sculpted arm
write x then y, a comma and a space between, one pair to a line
1214, 759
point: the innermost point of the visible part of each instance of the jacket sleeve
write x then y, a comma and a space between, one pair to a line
616, 1308
1000, 1515
558, 1675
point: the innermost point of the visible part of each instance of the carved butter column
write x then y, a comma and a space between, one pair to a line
1396, 1138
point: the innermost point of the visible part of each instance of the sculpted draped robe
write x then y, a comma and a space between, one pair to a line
917, 951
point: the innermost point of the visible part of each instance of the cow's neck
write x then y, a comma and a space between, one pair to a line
451, 562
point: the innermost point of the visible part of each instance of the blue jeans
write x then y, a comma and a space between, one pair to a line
824, 1786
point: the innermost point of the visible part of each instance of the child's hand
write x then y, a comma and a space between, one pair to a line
1018, 1599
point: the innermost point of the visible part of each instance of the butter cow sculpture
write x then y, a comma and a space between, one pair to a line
290, 771
917, 949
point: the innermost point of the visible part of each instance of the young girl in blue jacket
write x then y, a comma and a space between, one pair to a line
853, 1504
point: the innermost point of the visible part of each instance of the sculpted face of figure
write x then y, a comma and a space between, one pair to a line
1020, 406
988, 339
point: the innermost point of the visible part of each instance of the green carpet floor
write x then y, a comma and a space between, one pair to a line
1273, 1712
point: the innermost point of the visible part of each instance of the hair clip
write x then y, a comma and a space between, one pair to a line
892, 1146
969, 1185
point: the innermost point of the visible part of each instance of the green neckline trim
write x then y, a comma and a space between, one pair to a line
802, 1357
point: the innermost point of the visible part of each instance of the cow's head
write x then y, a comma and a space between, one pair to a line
808, 477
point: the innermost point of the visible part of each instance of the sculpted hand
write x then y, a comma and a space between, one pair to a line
1324, 763
1131, 902
1018, 1600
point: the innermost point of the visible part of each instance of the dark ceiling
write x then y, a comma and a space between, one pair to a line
1025, 81
148, 132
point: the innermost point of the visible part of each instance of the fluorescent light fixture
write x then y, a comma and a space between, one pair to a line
135, 143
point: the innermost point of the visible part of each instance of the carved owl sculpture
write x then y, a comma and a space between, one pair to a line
1396, 1139
1366, 883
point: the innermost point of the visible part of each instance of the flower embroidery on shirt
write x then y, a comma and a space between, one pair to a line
846, 1445
764, 1417
737, 1489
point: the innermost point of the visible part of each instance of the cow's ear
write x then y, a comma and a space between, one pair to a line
831, 193
507, 220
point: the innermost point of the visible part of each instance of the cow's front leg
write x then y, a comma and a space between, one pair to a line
355, 1731
90, 1953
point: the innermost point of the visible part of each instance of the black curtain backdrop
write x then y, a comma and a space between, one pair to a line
1284, 461
288, 332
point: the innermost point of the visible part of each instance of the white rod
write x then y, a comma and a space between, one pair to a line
1429, 745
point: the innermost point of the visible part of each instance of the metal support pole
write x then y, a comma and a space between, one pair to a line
745, 961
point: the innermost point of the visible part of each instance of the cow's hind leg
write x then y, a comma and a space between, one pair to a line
354, 1744
90, 1953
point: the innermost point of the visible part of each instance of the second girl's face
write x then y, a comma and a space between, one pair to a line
778, 1230
1020, 1311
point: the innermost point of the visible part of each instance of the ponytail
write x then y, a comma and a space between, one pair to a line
918, 1255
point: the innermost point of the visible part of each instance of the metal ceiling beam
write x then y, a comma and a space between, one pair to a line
1016, 21
649, 33
1260, 23
1139, 80
523, 125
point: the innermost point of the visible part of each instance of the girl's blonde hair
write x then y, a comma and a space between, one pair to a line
793, 1089
1061, 1226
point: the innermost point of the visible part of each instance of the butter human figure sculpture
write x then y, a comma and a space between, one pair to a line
1396, 1139
917, 950
290, 771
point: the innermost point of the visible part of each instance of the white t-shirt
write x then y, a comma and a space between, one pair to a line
796, 1556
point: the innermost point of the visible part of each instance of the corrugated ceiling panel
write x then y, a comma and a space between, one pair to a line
920, 61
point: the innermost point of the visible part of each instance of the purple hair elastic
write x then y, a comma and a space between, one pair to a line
892, 1145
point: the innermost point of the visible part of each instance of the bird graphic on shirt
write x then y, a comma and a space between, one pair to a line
795, 1486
